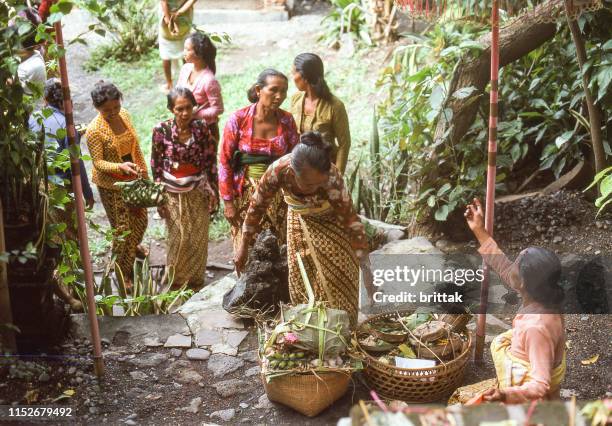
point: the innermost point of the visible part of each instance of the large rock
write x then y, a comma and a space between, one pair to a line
234, 338
264, 282
220, 364
210, 297
416, 245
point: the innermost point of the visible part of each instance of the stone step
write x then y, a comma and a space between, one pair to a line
233, 16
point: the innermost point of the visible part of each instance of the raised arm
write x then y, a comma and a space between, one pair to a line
491, 253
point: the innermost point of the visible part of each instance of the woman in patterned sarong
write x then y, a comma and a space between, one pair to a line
322, 225
117, 157
184, 159
253, 138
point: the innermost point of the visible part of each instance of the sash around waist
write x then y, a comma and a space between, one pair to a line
180, 184
305, 209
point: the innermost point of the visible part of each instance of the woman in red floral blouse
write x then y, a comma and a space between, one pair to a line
253, 138
184, 159
322, 225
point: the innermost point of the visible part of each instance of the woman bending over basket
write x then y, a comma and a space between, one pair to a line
321, 224
529, 358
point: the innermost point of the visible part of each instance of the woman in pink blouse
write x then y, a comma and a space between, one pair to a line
198, 75
253, 138
530, 358
184, 159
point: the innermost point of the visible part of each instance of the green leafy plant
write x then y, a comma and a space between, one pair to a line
130, 25
346, 17
604, 180
541, 122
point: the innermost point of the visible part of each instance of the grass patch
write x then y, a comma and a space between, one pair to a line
219, 228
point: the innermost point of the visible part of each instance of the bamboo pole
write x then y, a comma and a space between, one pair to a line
80, 208
491, 172
7, 334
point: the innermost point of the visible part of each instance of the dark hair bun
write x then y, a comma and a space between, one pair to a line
313, 152
252, 94
262, 81
315, 140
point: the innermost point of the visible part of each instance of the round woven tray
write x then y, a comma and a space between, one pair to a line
413, 384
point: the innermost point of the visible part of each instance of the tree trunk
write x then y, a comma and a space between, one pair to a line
595, 116
517, 39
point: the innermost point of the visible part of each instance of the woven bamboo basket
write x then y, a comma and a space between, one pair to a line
308, 394
413, 384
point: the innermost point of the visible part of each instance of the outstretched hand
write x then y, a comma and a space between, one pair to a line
474, 216
494, 394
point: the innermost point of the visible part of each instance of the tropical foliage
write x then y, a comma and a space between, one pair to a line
542, 119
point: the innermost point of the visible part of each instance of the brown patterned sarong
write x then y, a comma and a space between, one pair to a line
275, 218
336, 280
187, 223
124, 219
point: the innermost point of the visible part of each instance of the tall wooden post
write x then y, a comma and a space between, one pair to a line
491, 174
80, 208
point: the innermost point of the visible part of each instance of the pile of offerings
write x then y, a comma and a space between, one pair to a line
305, 356
414, 356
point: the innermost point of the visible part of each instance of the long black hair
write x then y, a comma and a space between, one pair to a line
205, 49
313, 152
262, 81
310, 66
540, 271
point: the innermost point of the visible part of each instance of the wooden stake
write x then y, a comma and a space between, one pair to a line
80, 209
491, 173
